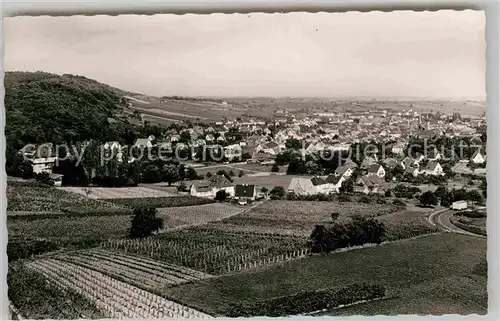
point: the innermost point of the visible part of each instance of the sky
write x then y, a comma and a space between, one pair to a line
437, 54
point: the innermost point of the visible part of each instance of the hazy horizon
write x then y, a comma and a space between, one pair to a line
430, 55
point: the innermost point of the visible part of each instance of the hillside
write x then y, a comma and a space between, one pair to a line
42, 107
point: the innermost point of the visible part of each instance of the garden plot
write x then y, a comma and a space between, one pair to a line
118, 300
117, 192
197, 215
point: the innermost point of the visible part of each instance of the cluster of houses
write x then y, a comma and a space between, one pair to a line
242, 193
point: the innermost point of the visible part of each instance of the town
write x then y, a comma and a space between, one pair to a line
247, 165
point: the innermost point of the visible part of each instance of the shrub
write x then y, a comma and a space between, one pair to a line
221, 195
428, 198
182, 187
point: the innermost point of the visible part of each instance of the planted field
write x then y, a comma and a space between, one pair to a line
397, 266
114, 298
32, 197
35, 298
197, 215
213, 251
117, 192
78, 231
157, 202
299, 218
134, 270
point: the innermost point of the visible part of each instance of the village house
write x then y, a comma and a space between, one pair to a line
398, 148
371, 184
376, 169
43, 164
245, 193
343, 171
232, 152
433, 168
335, 182
144, 142
56, 179
209, 188
368, 161
412, 171
478, 158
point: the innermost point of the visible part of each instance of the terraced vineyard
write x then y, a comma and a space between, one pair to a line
133, 269
215, 251
115, 298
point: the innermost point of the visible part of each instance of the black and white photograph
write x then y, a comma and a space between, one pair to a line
247, 164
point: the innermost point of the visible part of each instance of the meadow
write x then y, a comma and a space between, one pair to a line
34, 197
298, 218
398, 266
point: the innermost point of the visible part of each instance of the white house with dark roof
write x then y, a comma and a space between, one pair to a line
376, 169
209, 188
433, 168
478, 158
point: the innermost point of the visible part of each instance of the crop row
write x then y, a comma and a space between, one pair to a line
157, 202
115, 298
134, 270
214, 252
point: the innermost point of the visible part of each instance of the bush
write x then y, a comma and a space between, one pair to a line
277, 192
25, 249
473, 214
428, 198
221, 195
308, 301
144, 222
182, 187
365, 199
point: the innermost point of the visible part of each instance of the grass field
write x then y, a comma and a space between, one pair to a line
299, 218
398, 266
196, 215
32, 197
118, 192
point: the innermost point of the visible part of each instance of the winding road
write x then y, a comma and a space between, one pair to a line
441, 219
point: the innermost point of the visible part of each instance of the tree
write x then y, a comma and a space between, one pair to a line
17, 166
191, 174
264, 190
208, 175
475, 197
277, 192
441, 191
144, 222
241, 173
335, 217
170, 174
221, 195
231, 173
347, 186
428, 198
275, 168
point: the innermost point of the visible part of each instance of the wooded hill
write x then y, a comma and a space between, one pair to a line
42, 107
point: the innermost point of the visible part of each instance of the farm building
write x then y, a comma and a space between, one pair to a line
209, 188
459, 205
245, 193
301, 186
